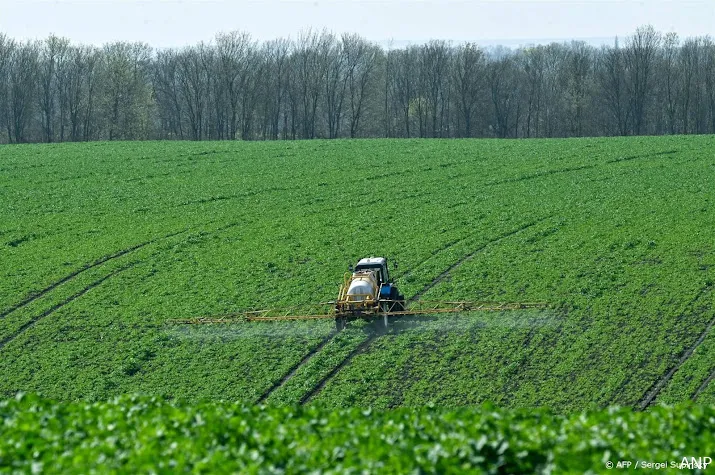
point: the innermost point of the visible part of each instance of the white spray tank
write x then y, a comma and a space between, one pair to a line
363, 285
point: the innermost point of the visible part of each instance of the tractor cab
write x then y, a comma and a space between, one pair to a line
388, 292
378, 264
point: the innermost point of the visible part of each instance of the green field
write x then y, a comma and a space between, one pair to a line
102, 243
146, 435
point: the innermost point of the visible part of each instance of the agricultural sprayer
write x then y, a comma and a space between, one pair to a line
369, 294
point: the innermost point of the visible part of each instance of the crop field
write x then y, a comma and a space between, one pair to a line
134, 434
102, 243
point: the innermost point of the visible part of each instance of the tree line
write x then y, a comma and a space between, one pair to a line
322, 85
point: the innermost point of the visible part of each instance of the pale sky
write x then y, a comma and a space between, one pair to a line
170, 23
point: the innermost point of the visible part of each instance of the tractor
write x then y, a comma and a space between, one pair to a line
368, 293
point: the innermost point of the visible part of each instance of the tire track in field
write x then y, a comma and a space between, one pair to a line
361, 348
291, 372
29, 324
539, 175
364, 346
471, 255
235, 196
296, 367
646, 155
658, 386
703, 386
32, 297
445, 247
26, 326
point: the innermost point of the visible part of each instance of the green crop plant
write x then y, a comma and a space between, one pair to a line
134, 434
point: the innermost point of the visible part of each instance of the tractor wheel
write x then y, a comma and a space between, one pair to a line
339, 323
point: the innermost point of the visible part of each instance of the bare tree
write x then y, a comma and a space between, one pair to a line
434, 65
81, 91
389, 111
193, 78
335, 85
62, 90
52, 84
534, 64
167, 91
236, 56
709, 73
578, 73
640, 55
7, 47
250, 95
360, 58
670, 73
291, 119
275, 54
403, 84
468, 77
692, 65
555, 83
612, 79
21, 81
125, 89
311, 55
503, 86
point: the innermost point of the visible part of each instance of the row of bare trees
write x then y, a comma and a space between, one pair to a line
325, 86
